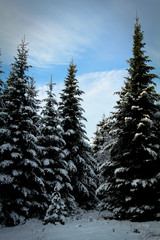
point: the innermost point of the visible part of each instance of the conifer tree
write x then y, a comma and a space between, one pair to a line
34, 104
3, 130
2, 117
98, 139
131, 186
57, 210
80, 163
1, 85
101, 143
21, 187
2, 114
56, 176
102, 137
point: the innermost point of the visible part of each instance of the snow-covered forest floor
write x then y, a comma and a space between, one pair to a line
90, 225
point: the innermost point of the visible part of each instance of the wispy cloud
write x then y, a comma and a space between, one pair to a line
54, 44
99, 97
55, 33
59, 30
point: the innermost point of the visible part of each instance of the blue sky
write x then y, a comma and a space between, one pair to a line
97, 34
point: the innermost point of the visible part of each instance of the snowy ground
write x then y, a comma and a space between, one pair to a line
90, 226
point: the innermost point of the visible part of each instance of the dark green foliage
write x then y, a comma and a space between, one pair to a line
132, 186
99, 138
57, 210
1, 86
100, 145
52, 155
102, 138
2, 113
21, 187
2, 117
78, 156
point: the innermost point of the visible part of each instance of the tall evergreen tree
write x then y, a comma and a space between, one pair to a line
101, 143
57, 210
99, 140
2, 114
56, 176
34, 104
2, 119
1, 85
3, 130
21, 187
80, 163
131, 189
102, 137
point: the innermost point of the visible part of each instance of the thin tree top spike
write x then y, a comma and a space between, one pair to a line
51, 84
72, 62
137, 18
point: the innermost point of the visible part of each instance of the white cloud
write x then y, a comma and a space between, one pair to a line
99, 98
59, 30
54, 32
52, 43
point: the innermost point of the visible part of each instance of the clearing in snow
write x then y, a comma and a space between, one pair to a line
91, 225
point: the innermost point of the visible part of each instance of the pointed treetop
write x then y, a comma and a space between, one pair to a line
137, 18
24, 38
72, 62
51, 84
72, 65
137, 25
0, 64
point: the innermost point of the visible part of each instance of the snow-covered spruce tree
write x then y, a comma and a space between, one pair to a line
131, 189
34, 104
1, 86
3, 131
21, 187
56, 176
35, 119
100, 144
2, 114
57, 210
101, 140
2, 118
78, 152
